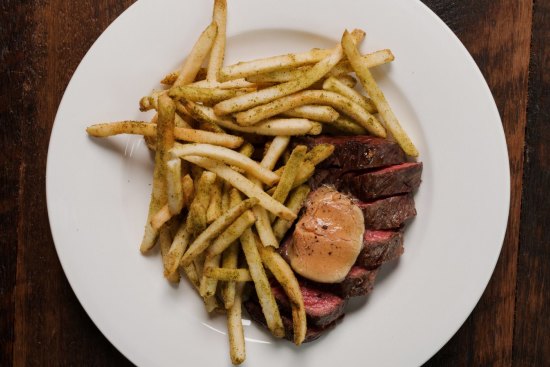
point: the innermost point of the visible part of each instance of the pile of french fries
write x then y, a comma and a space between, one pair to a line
217, 214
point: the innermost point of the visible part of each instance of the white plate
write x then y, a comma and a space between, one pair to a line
98, 189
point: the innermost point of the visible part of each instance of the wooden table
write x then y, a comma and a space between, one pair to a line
42, 42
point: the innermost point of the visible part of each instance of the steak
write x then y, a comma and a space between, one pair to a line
358, 282
388, 213
322, 306
357, 152
397, 179
313, 332
380, 247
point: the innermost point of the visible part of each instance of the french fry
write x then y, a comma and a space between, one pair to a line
289, 174
319, 153
208, 285
334, 85
231, 84
230, 258
219, 225
332, 99
384, 109
229, 157
215, 206
235, 328
196, 219
197, 55
177, 248
188, 190
347, 80
150, 102
161, 217
150, 129
248, 68
261, 283
165, 241
267, 95
242, 184
306, 171
345, 126
206, 95
274, 152
165, 139
294, 202
211, 304
231, 234
218, 48
274, 127
233, 275
285, 276
247, 150
191, 274
313, 112
174, 186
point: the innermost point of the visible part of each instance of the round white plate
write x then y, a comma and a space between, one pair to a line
98, 190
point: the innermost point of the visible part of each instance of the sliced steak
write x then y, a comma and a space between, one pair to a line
357, 152
322, 306
393, 180
358, 282
380, 247
313, 332
388, 213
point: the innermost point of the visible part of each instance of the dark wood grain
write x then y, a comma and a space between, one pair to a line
41, 44
497, 34
531, 335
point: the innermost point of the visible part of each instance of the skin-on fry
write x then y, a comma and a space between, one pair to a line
150, 129
227, 156
273, 127
285, 276
206, 95
215, 207
234, 275
218, 49
235, 328
261, 283
289, 174
368, 82
294, 202
197, 55
165, 140
334, 85
253, 67
177, 248
266, 95
231, 234
219, 225
345, 126
174, 186
332, 99
208, 285
314, 112
244, 185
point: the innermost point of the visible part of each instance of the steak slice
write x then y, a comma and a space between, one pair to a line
389, 181
313, 332
358, 282
322, 306
388, 213
357, 152
380, 247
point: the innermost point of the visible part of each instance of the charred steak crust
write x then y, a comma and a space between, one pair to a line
357, 152
358, 282
388, 213
313, 332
